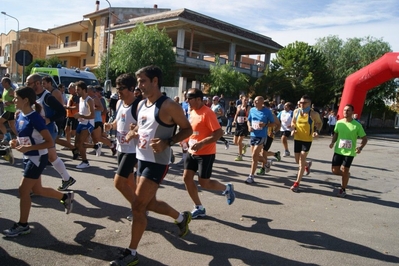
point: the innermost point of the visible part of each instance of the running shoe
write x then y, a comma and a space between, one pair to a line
68, 203
126, 259
227, 145
307, 167
278, 156
66, 184
341, 193
17, 230
238, 158
83, 165
9, 157
286, 154
197, 212
295, 187
262, 171
75, 154
250, 180
244, 149
98, 150
183, 226
268, 166
229, 193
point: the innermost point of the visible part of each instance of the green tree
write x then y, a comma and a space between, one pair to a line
39, 62
224, 79
141, 47
298, 69
345, 58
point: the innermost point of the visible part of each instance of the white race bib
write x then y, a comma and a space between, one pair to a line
122, 138
345, 144
240, 119
256, 125
24, 141
144, 140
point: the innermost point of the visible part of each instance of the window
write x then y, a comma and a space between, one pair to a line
64, 63
84, 62
66, 43
86, 36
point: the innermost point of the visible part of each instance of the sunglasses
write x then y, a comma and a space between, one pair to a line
121, 88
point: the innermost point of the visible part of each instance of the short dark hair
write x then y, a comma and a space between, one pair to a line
151, 72
81, 84
127, 80
8, 80
306, 97
351, 106
47, 79
195, 93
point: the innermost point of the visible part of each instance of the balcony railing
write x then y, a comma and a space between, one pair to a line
76, 48
202, 60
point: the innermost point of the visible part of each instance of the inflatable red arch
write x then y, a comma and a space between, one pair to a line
359, 83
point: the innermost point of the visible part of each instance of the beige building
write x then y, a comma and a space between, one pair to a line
33, 40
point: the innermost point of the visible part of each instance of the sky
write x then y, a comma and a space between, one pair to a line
282, 20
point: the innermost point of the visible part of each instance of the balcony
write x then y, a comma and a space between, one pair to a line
77, 48
203, 61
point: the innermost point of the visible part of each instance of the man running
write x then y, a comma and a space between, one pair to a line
346, 132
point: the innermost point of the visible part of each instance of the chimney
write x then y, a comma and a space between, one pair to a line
97, 5
155, 6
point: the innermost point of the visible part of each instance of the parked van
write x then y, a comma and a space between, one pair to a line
67, 75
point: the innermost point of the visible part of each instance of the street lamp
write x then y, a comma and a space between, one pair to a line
16, 64
107, 83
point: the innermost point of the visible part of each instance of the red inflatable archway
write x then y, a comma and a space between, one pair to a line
359, 83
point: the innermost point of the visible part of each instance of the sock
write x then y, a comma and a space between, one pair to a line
64, 197
133, 251
23, 224
59, 166
200, 207
85, 161
180, 218
95, 146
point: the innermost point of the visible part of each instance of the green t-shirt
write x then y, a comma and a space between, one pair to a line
8, 98
348, 133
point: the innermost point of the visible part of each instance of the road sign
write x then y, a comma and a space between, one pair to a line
23, 57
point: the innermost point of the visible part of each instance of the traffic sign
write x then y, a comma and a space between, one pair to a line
23, 57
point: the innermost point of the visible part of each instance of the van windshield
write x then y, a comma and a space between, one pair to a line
67, 80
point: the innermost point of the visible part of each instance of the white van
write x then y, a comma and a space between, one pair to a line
67, 75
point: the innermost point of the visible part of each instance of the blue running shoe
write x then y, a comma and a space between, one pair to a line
229, 193
198, 213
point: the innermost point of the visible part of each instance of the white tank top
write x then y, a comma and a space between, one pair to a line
285, 118
124, 118
84, 110
150, 127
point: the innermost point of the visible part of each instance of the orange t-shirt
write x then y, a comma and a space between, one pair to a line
203, 122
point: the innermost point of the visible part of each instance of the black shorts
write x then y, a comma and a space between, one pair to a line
31, 170
201, 163
72, 122
9, 116
153, 171
343, 160
126, 164
241, 130
98, 125
268, 143
286, 133
300, 146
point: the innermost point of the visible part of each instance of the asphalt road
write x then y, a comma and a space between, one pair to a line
267, 225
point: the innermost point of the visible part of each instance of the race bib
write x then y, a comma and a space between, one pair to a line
240, 119
24, 141
122, 138
256, 125
345, 144
144, 140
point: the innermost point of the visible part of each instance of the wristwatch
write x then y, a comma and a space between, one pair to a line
171, 142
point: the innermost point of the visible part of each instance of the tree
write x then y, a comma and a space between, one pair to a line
298, 69
345, 58
39, 62
141, 47
224, 79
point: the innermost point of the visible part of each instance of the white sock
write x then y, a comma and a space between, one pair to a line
133, 251
180, 218
59, 166
200, 207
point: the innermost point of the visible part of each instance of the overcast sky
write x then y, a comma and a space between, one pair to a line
282, 20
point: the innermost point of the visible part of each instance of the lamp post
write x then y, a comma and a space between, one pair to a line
107, 83
17, 42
